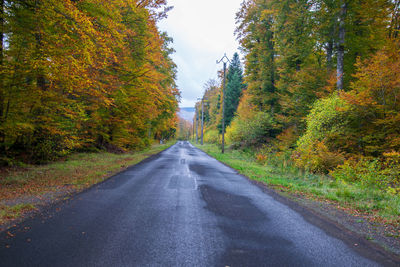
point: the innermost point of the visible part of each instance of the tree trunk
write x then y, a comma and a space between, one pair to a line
340, 49
329, 53
1, 60
2, 94
394, 24
40, 78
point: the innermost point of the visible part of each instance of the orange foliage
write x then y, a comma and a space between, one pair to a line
85, 74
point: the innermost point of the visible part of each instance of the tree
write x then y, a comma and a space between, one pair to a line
234, 88
256, 37
84, 75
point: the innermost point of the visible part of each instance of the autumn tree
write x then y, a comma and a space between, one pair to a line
359, 122
256, 37
84, 75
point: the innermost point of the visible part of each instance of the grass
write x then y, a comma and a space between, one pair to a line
75, 173
355, 198
15, 211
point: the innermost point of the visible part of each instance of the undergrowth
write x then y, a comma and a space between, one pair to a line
377, 204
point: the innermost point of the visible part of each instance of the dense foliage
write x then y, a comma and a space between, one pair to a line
322, 86
83, 75
234, 88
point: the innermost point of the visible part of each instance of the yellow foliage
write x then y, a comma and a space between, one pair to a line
384, 173
317, 158
211, 136
85, 74
287, 138
261, 158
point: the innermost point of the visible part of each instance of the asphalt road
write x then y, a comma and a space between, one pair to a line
178, 208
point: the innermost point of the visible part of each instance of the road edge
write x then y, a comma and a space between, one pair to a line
48, 207
332, 228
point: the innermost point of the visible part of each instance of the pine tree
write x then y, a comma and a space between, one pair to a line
234, 88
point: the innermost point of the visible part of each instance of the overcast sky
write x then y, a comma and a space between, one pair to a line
202, 31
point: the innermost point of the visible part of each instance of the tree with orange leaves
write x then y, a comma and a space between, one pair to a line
84, 74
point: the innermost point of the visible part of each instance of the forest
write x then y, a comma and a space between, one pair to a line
318, 88
85, 75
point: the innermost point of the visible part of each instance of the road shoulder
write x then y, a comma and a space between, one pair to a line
356, 231
25, 192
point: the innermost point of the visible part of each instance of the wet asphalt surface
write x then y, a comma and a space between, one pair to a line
178, 208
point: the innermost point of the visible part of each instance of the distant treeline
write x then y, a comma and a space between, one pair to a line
81, 75
321, 87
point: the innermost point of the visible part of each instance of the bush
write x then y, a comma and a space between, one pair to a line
391, 168
317, 158
254, 130
211, 136
49, 148
328, 121
327, 131
369, 172
287, 139
345, 172
261, 158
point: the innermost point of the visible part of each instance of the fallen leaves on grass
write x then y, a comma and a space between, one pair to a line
12, 212
55, 181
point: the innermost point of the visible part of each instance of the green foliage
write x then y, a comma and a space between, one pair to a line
291, 102
317, 158
359, 122
318, 150
212, 137
234, 88
367, 172
374, 99
255, 33
382, 204
212, 105
327, 121
383, 174
87, 74
252, 131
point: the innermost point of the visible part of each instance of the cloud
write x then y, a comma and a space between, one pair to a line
202, 31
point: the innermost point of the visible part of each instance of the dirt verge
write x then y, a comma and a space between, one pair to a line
32, 190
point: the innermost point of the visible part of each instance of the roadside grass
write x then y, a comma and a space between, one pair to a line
13, 212
22, 188
372, 203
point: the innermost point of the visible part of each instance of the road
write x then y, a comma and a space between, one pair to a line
178, 208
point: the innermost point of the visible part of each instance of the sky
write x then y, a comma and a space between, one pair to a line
202, 32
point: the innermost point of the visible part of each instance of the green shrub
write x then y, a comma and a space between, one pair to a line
49, 149
327, 124
317, 158
211, 136
255, 130
391, 168
368, 172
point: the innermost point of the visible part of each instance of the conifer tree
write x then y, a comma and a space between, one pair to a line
234, 88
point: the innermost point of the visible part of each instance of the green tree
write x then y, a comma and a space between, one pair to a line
256, 36
234, 88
